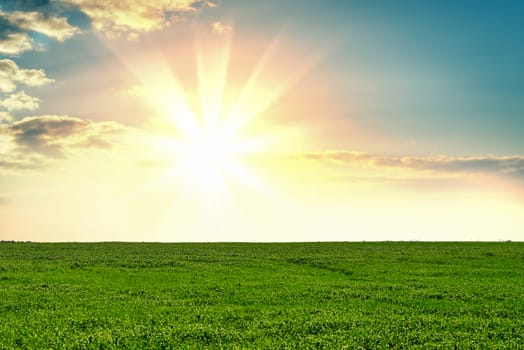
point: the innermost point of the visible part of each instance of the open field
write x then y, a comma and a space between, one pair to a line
239, 295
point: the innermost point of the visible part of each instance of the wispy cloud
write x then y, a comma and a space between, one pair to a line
52, 26
14, 43
5, 117
52, 135
11, 75
121, 18
16, 26
20, 101
441, 164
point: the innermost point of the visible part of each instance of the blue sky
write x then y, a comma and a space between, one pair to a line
446, 74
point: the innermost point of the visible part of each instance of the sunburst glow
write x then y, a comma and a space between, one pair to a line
205, 159
213, 132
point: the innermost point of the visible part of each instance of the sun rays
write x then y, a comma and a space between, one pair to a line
212, 127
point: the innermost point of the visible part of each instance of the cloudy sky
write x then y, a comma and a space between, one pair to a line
235, 120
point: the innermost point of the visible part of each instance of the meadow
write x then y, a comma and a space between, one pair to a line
268, 296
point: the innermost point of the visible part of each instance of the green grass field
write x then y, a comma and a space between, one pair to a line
239, 295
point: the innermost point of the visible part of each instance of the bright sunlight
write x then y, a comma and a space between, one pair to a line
217, 126
204, 159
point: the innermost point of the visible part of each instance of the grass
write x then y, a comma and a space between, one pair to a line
239, 295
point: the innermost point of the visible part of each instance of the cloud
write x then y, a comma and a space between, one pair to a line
221, 28
52, 26
15, 43
112, 18
440, 164
15, 27
13, 159
5, 117
18, 101
117, 18
502, 164
40, 134
52, 136
11, 74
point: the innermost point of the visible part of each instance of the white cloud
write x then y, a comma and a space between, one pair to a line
5, 117
19, 101
15, 43
54, 27
15, 38
11, 74
117, 18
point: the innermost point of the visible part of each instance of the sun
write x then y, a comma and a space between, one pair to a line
207, 157
213, 133
207, 153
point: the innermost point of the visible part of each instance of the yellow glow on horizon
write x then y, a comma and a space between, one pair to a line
196, 165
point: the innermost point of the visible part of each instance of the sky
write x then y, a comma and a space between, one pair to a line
235, 120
